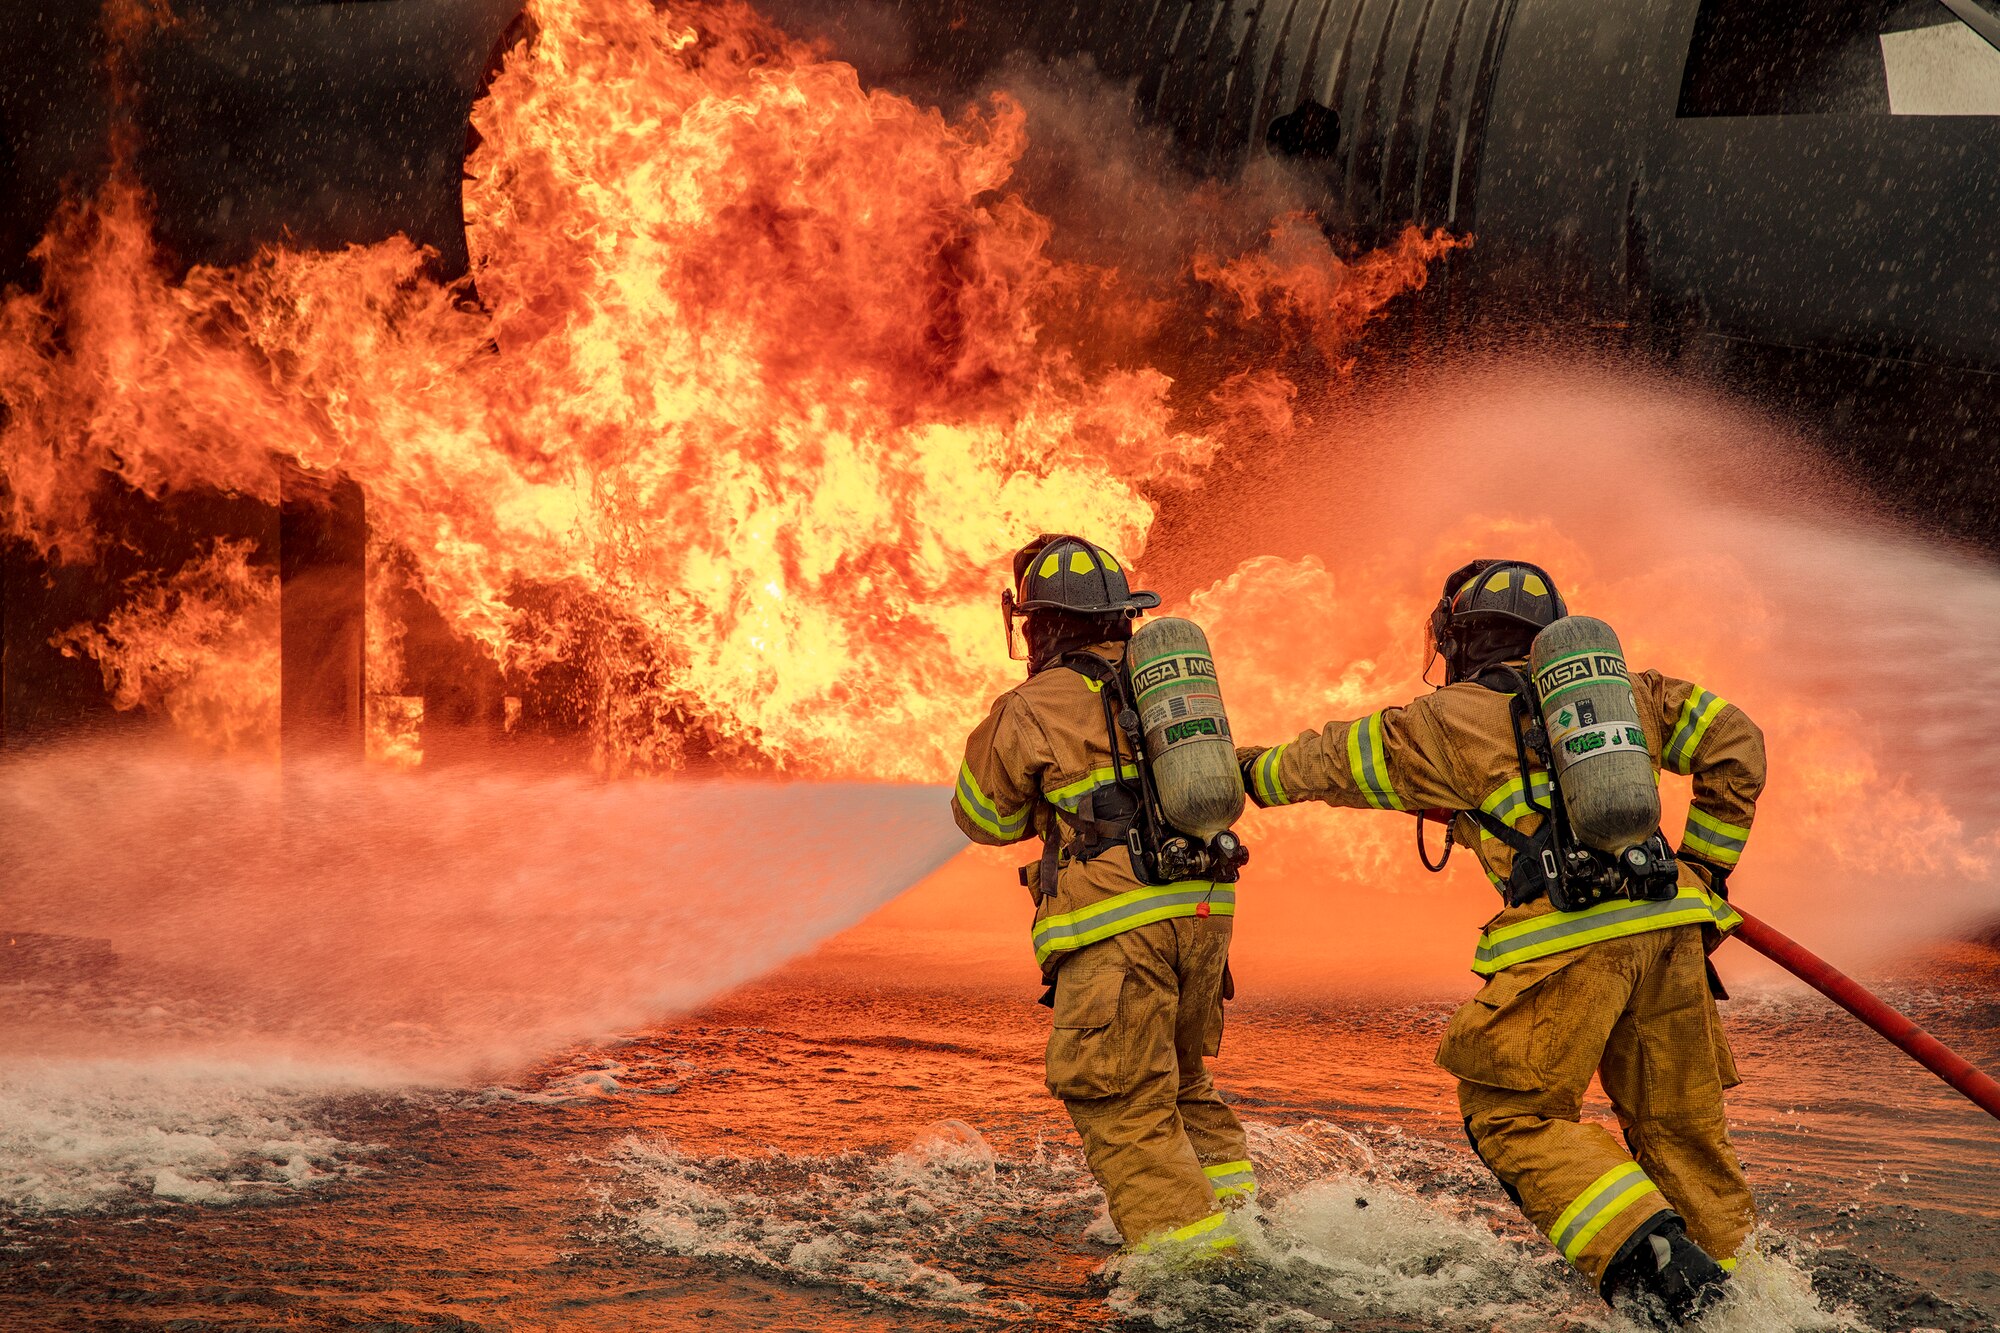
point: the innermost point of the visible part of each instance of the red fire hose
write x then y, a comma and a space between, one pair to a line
1844, 991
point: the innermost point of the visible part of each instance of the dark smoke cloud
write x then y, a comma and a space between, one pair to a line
259, 123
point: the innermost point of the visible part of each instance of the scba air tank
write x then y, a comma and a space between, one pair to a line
1187, 733
1602, 766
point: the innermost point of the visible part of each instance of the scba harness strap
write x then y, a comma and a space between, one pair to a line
1551, 862
1537, 869
1108, 815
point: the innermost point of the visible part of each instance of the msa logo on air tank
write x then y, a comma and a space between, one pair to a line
1169, 668
1584, 666
1196, 726
1595, 739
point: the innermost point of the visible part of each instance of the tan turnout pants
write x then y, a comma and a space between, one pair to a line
1136, 1017
1636, 1011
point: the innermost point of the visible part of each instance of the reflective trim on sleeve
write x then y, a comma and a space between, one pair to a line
1708, 836
1270, 789
1070, 795
1607, 1198
1231, 1180
1697, 713
1557, 932
1128, 911
1507, 804
1370, 766
981, 810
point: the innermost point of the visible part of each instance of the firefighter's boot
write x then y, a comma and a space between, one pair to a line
1662, 1277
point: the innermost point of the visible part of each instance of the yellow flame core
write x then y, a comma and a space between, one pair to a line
753, 399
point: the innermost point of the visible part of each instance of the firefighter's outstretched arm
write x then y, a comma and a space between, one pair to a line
1004, 757
1716, 743
1391, 760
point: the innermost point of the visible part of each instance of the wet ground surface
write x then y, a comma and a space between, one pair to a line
815, 1152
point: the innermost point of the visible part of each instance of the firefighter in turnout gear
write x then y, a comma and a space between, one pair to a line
1137, 971
1620, 988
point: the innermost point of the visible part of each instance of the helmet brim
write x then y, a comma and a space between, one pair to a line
1138, 601
1490, 617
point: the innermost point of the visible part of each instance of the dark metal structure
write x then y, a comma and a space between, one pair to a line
323, 615
1728, 167
1799, 198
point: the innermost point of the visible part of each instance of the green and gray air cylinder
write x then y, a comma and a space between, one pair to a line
1602, 765
1187, 733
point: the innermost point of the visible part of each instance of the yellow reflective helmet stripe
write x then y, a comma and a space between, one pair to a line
1081, 563
1108, 560
1701, 709
1558, 932
1231, 1180
982, 810
1532, 584
1370, 765
1270, 789
1715, 839
1606, 1199
1128, 911
1050, 564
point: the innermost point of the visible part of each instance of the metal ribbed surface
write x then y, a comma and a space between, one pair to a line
1411, 81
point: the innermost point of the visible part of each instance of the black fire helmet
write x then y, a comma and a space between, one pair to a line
1058, 572
1490, 593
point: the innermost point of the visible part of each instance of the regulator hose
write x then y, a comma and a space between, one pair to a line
1893, 1025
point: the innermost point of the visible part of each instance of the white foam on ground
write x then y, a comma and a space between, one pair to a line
1319, 1260
874, 1224
604, 1080
1771, 1291
108, 1135
1356, 1231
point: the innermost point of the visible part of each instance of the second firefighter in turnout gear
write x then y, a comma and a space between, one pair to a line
1618, 988
1137, 970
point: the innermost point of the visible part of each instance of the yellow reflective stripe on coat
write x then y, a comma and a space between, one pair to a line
1070, 795
981, 809
1264, 780
1701, 709
1713, 838
1556, 932
1231, 1179
1507, 804
1203, 1234
1370, 766
1607, 1198
1128, 911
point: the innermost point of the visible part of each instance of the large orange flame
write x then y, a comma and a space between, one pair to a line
755, 397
